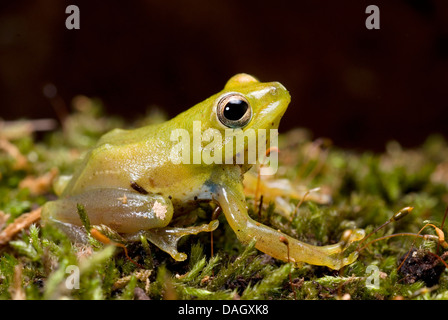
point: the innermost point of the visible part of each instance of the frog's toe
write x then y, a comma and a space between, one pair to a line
350, 259
176, 255
337, 261
350, 236
75, 233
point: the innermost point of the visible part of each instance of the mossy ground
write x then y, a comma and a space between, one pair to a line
367, 189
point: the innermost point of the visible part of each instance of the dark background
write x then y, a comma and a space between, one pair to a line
358, 87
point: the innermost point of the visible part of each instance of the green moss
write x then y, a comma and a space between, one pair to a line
367, 189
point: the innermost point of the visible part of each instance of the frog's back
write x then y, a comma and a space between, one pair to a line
122, 157
118, 136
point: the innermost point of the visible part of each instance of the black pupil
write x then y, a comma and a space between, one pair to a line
235, 109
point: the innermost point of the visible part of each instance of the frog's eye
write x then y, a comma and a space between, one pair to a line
234, 110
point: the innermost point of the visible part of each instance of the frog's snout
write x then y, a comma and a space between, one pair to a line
272, 100
279, 90
277, 87
278, 95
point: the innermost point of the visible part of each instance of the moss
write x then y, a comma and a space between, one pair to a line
367, 189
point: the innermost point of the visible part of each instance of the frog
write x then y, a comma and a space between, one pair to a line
129, 182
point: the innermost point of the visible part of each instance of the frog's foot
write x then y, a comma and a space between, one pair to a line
73, 232
335, 253
286, 248
166, 238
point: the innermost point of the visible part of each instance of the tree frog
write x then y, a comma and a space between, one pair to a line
129, 183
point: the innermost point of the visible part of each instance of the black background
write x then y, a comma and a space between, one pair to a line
358, 87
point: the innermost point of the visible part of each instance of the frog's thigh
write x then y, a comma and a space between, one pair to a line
122, 210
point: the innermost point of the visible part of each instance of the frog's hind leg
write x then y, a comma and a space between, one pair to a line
122, 210
166, 238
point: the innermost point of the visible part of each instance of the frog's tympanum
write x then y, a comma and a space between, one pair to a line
129, 183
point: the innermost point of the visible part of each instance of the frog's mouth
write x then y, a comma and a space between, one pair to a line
266, 122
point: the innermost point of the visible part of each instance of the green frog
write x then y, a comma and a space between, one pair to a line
130, 183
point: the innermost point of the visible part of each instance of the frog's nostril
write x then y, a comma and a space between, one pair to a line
277, 88
280, 86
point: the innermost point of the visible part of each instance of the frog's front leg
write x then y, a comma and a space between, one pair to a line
272, 242
122, 210
166, 238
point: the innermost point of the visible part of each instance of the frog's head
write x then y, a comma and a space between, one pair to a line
245, 103
241, 109
249, 105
